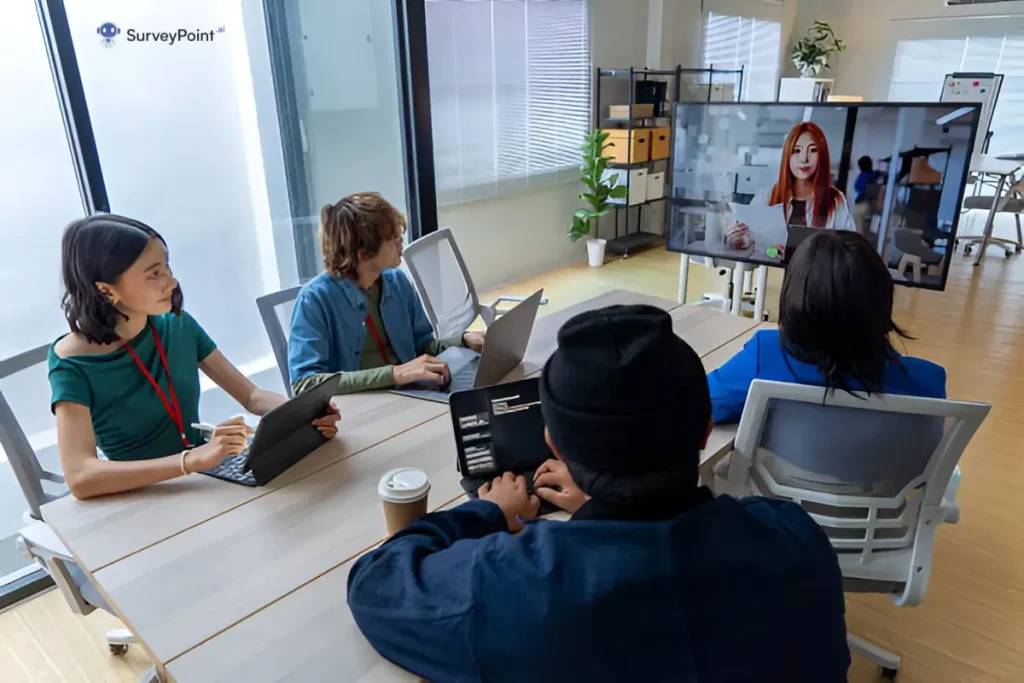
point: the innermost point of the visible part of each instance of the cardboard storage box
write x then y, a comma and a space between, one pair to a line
621, 111
636, 178
624, 152
655, 185
660, 142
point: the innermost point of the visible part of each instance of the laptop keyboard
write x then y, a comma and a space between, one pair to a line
233, 469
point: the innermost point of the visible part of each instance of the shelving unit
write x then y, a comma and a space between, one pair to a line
613, 81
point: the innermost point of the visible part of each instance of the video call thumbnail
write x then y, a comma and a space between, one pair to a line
750, 181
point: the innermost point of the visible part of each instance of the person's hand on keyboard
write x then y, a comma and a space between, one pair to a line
553, 483
474, 340
423, 369
328, 424
228, 438
509, 493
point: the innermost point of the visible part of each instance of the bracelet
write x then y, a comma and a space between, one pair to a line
184, 469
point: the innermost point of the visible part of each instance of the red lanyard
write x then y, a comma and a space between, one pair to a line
381, 346
171, 406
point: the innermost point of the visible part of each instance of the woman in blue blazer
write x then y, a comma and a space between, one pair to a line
835, 331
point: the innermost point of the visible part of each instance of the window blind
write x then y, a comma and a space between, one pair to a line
731, 42
509, 93
922, 64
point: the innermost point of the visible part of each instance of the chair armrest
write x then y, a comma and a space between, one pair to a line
42, 542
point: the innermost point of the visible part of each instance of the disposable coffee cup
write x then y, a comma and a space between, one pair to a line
403, 494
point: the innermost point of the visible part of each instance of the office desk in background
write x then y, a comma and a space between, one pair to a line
228, 583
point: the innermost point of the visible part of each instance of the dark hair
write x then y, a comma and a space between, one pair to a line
836, 310
865, 164
358, 224
101, 248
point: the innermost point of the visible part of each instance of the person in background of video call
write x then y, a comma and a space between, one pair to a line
804, 187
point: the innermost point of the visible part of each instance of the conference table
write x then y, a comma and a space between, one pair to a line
221, 582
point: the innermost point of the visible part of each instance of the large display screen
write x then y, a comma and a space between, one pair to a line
750, 181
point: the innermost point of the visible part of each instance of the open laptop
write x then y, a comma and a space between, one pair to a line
499, 429
507, 339
797, 234
284, 436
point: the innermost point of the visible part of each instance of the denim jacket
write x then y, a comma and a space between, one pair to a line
328, 326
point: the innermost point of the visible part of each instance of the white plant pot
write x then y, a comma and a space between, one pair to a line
595, 252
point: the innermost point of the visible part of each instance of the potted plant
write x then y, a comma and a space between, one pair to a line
599, 190
811, 53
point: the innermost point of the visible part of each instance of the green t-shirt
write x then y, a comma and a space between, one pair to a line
128, 417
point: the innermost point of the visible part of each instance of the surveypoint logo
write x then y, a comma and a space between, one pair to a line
109, 29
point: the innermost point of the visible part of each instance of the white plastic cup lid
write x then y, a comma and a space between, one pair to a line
404, 485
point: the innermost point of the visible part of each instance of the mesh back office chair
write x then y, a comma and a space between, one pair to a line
37, 540
276, 311
445, 286
878, 473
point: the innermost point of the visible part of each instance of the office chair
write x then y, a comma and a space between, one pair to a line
276, 311
445, 286
1012, 202
36, 539
878, 473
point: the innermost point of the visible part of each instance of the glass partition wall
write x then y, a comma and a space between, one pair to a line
225, 126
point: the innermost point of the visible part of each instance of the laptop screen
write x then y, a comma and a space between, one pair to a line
499, 429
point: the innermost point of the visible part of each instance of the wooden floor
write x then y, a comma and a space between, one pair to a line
971, 625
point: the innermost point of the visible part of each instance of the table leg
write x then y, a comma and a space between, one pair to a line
684, 273
987, 235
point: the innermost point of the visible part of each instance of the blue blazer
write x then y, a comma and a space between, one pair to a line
763, 358
732, 590
328, 327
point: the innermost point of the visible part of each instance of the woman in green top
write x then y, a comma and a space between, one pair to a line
125, 379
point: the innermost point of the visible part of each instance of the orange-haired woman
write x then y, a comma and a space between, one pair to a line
804, 187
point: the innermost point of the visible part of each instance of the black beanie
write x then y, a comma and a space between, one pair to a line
623, 395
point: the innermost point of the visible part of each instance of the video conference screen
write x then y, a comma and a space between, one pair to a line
751, 181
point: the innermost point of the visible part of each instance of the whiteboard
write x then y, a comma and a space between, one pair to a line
975, 87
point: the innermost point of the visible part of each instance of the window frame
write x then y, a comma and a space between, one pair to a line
748, 71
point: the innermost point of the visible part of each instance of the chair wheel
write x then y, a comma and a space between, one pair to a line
888, 674
967, 251
117, 649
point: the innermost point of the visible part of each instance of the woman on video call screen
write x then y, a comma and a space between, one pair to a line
804, 187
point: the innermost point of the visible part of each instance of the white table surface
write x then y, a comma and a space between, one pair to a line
990, 165
224, 582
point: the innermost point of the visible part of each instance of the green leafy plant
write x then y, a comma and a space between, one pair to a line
811, 53
598, 188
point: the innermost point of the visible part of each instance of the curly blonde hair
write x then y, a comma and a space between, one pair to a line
356, 227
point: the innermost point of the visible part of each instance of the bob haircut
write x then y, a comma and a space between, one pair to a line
826, 197
354, 228
96, 249
836, 310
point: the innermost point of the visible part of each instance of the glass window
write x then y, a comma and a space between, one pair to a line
509, 93
921, 66
731, 42
40, 196
176, 129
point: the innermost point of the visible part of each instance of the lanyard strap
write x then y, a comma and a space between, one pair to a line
171, 406
381, 346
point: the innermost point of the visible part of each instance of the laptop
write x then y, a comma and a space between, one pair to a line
507, 339
284, 436
499, 429
796, 237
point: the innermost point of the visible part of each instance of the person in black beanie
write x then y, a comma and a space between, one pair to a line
653, 579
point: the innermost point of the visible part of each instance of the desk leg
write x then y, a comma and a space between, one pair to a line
990, 221
684, 273
761, 284
736, 294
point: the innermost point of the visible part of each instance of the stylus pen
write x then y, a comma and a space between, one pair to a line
207, 428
